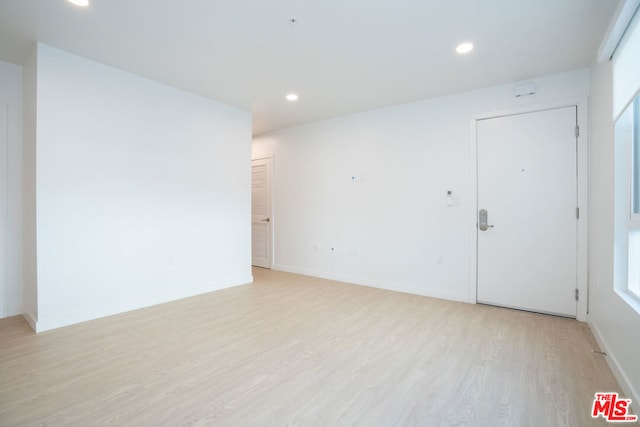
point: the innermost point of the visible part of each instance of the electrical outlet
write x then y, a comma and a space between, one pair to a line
440, 260
332, 249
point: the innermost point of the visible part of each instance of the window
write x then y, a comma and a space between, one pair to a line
623, 43
635, 158
634, 214
628, 203
634, 263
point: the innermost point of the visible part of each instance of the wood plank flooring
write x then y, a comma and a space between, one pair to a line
296, 350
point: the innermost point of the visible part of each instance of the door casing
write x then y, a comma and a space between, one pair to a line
583, 178
4, 219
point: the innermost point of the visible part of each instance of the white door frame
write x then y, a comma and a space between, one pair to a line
4, 213
583, 180
271, 214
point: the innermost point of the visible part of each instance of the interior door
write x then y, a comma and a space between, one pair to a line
261, 224
527, 187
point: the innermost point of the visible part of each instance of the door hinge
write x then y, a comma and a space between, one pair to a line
577, 131
577, 213
577, 294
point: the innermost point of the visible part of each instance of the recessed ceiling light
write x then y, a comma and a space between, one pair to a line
82, 3
465, 47
292, 97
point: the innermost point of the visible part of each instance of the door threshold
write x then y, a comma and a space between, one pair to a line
544, 313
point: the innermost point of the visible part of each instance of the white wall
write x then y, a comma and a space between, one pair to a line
395, 217
142, 192
30, 285
11, 192
615, 324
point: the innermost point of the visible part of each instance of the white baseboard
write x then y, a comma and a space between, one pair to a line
426, 292
30, 320
628, 388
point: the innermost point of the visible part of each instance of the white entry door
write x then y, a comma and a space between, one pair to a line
527, 185
261, 223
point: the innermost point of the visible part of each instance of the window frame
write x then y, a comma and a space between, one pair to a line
626, 220
634, 158
633, 181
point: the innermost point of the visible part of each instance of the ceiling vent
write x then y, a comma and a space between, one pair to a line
525, 90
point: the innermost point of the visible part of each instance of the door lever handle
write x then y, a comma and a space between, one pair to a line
482, 220
269, 220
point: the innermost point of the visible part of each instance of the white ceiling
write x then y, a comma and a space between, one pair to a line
342, 56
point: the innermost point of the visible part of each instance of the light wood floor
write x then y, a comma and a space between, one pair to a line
295, 350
